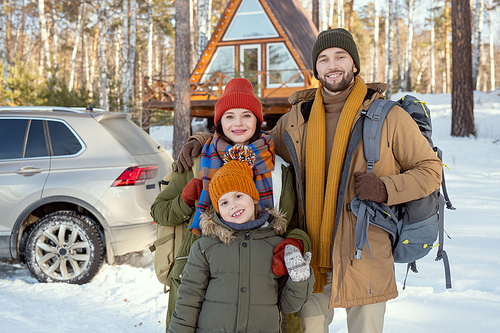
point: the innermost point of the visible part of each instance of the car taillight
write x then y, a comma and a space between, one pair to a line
136, 175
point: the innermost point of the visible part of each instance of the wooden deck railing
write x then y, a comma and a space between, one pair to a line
161, 89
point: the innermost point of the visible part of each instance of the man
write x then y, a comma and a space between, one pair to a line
313, 137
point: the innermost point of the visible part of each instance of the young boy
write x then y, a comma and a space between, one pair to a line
228, 284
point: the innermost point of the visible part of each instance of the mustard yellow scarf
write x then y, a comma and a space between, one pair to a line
320, 203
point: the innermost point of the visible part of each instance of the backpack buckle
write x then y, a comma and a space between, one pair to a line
369, 164
358, 254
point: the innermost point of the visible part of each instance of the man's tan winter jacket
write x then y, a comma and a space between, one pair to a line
409, 169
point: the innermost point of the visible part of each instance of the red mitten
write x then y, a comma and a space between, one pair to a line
369, 187
279, 267
192, 191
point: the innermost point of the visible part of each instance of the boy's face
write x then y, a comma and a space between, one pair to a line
237, 207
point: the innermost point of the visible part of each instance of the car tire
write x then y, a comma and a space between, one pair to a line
64, 247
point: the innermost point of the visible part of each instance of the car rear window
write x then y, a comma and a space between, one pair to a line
131, 137
62, 139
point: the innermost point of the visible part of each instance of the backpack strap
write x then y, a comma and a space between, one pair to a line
441, 254
443, 199
372, 128
160, 241
447, 201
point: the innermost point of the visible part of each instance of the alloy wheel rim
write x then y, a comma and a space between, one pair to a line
62, 252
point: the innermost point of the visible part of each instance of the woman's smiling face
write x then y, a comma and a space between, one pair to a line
239, 125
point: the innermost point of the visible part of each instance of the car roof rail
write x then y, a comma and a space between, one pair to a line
50, 109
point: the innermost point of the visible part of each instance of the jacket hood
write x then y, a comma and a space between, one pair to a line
211, 226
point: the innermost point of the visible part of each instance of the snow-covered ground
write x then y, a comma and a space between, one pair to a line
126, 297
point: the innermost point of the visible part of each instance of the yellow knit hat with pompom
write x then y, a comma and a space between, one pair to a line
234, 176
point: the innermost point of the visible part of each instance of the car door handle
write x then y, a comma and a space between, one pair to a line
28, 171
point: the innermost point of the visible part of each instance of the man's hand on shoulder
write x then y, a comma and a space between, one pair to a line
185, 162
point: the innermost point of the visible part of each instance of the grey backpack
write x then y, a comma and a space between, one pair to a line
414, 226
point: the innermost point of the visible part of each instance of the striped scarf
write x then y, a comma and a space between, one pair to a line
211, 161
321, 200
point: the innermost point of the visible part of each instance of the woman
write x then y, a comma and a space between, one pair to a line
238, 117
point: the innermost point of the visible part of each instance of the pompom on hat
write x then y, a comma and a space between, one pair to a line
338, 37
238, 94
234, 176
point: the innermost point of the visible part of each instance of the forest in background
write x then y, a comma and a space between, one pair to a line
98, 51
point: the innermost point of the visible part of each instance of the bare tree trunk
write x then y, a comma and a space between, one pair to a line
87, 65
398, 41
3, 42
204, 31
433, 60
118, 40
182, 102
93, 61
375, 40
55, 35
447, 53
462, 94
324, 19
158, 53
194, 36
482, 70
330, 15
125, 71
476, 54
492, 49
390, 42
78, 32
315, 13
150, 42
340, 13
131, 53
409, 44
45, 38
386, 41
443, 77
145, 116
351, 15
103, 61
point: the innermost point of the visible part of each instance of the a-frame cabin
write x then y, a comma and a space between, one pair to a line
267, 41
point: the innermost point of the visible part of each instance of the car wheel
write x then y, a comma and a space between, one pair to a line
64, 247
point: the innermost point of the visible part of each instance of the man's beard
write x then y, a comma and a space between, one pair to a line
347, 78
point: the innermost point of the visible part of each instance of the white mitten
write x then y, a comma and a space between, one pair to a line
297, 266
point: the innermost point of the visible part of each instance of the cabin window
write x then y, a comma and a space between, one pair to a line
250, 21
281, 67
222, 62
250, 63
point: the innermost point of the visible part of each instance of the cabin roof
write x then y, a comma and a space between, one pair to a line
298, 27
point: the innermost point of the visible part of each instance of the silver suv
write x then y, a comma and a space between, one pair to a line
75, 189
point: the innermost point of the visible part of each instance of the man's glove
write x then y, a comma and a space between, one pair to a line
192, 191
279, 267
184, 162
298, 267
369, 187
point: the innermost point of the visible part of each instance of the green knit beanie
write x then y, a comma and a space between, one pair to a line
338, 37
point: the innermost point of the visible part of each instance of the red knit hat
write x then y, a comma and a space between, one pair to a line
238, 94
